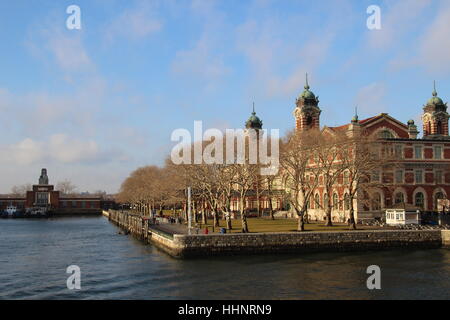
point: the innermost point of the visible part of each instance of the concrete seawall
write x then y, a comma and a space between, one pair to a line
185, 246
446, 238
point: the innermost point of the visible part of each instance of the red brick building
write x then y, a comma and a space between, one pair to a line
422, 176
44, 195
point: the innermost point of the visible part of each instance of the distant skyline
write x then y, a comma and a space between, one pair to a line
92, 105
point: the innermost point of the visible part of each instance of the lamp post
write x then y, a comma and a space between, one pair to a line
189, 211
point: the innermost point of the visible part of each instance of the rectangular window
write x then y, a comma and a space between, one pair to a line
42, 198
376, 176
346, 177
418, 152
438, 152
74, 204
438, 178
419, 176
398, 151
399, 176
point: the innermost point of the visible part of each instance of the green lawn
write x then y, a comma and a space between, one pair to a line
280, 225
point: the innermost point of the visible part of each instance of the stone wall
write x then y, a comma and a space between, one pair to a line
204, 245
184, 246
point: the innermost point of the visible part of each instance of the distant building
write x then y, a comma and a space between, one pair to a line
44, 195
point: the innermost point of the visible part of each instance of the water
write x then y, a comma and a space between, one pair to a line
34, 256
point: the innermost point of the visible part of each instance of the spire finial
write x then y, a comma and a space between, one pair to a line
253, 108
355, 117
434, 89
307, 84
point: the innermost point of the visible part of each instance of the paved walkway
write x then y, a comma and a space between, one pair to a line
171, 228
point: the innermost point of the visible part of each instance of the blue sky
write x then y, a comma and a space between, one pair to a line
93, 104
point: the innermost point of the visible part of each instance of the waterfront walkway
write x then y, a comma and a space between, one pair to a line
171, 228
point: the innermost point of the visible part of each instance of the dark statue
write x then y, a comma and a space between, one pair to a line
43, 179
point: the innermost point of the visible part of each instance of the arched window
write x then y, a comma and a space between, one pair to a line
399, 198
366, 201
439, 127
335, 201
386, 134
419, 200
317, 201
346, 177
325, 201
346, 201
438, 195
376, 201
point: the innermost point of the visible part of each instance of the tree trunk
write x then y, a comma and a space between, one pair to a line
243, 217
329, 222
271, 209
352, 225
204, 217
258, 209
301, 222
244, 223
194, 211
229, 224
216, 218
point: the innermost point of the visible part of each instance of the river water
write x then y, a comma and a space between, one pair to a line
34, 255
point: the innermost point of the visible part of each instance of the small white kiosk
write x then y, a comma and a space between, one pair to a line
402, 214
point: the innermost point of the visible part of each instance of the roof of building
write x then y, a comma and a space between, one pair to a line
367, 121
307, 94
254, 122
435, 99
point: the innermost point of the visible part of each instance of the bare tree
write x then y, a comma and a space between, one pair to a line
328, 157
66, 187
359, 162
21, 190
300, 174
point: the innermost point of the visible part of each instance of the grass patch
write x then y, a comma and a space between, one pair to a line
262, 225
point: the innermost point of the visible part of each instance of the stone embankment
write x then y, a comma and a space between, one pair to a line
182, 245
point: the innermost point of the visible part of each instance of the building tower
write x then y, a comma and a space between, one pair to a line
254, 122
307, 111
435, 118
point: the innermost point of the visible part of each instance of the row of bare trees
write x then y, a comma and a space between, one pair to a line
65, 187
314, 159
308, 160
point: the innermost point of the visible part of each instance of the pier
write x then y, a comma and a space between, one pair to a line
186, 246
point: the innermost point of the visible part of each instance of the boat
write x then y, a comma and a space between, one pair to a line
10, 211
37, 212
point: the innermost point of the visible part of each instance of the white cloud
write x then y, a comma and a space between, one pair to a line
398, 18
59, 46
24, 153
280, 65
135, 23
58, 148
434, 52
200, 61
205, 59
369, 99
